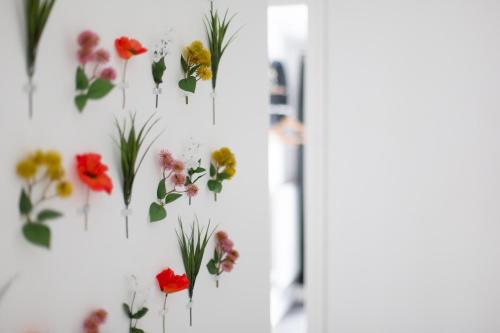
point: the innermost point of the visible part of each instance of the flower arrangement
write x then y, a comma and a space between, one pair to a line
158, 66
36, 15
192, 245
173, 172
130, 143
217, 43
126, 49
195, 63
94, 320
222, 167
170, 283
44, 171
98, 83
93, 174
224, 258
131, 313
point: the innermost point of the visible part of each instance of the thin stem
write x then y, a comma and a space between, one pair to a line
126, 221
187, 99
132, 309
30, 96
156, 106
213, 108
191, 312
124, 76
86, 209
215, 196
217, 282
164, 310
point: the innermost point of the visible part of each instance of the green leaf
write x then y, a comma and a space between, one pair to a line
82, 82
188, 84
223, 175
184, 64
157, 212
47, 214
212, 268
214, 186
213, 171
172, 197
158, 68
161, 192
139, 314
126, 309
99, 88
80, 102
25, 205
199, 170
136, 330
38, 234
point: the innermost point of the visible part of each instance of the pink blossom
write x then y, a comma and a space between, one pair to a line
178, 166
233, 256
166, 159
191, 190
85, 55
102, 56
88, 39
227, 266
178, 179
108, 74
220, 235
226, 245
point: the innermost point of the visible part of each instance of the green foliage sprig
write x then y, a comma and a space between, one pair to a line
130, 143
192, 245
134, 315
36, 14
218, 41
158, 66
194, 174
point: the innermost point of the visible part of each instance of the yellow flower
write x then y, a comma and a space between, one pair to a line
196, 46
52, 157
38, 157
64, 189
204, 57
226, 155
205, 73
216, 156
55, 172
230, 172
26, 169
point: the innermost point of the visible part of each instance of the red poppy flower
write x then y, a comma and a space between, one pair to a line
93, 173
128, 47
171, 283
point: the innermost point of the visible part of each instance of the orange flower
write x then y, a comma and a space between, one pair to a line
171, 283
128, 47
93, 173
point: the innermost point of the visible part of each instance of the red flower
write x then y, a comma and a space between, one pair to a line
171, 283
128, 47
93, 173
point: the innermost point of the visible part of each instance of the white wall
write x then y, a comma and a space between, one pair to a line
83, 271
414, 166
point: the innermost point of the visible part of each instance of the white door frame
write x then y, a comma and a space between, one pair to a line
316, 88
315, 164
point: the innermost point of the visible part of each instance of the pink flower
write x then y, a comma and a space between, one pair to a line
102, 56
108, 74
227, 266
88, 39
226, 245
166, 159
85, 55
178, 166
178, 179
233, 256
191, 190
220, 235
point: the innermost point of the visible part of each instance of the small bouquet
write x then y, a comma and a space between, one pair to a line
158, 66
93, 175
222, 167
170, 283
44, 171
217, 42
192, 245
173, 172
126, 49
98, 82
195, 63
130, 144
36, 15
94, 320
224, 258
133, 314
